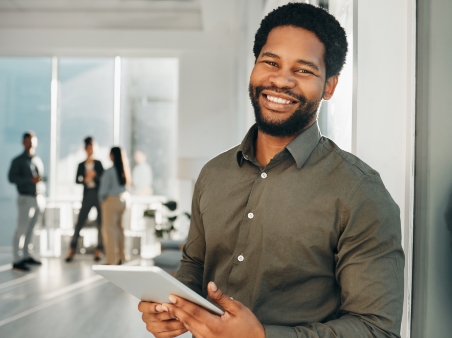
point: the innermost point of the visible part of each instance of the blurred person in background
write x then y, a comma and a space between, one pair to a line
141, 175
88, 174
114, 198
27, 172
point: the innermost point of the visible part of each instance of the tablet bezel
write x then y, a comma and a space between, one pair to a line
151, 283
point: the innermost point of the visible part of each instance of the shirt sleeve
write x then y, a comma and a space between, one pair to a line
15, 174
192, 266
369, 269
79, 178
40, 165
105, 185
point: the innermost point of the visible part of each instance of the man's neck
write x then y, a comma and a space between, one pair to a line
268, 146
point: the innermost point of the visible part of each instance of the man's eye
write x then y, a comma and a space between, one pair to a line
271, 63
304, 71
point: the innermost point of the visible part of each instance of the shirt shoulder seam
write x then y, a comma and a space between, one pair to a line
348, 161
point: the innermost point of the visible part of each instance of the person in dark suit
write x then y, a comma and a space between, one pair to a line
88, 174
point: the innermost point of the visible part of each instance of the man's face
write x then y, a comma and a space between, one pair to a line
30, 144
287, 83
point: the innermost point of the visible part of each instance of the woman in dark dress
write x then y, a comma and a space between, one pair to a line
88, 174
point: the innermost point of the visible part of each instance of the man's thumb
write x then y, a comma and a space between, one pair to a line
220, 298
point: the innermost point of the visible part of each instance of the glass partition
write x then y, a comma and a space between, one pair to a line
24, 105
85, 109
149, 96
132, 100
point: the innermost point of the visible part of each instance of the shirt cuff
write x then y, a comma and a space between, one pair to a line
274, 331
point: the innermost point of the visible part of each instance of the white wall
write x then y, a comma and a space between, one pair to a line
384, 106
432, 289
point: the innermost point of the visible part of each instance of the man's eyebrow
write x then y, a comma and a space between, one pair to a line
271, 55
301, 61
308, 63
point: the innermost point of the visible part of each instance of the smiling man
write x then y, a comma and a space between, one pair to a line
290, 235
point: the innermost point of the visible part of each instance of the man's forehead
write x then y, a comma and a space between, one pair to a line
287, 35
296, 42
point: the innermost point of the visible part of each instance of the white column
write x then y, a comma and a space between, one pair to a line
52, 173
117, 102
384, 109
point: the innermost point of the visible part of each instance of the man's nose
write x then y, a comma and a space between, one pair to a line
283, 78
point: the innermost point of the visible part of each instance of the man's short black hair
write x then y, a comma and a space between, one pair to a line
28, 134
88, 141
314, 19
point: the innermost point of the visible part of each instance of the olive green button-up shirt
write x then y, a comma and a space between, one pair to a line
311, 243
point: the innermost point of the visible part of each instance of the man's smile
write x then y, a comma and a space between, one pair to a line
278, 102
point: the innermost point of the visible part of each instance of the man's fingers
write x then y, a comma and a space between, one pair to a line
156, 317
159, 322
194, 310
149, 307
189, 319
165, 326
171, 334
223, 300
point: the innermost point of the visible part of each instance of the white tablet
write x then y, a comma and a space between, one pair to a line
152, 284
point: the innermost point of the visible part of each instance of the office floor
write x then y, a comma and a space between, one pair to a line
59, 300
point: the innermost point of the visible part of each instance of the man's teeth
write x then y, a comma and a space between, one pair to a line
278, 100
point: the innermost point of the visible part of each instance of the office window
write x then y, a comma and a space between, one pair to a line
24, 105
85, 109
130, 101
149, 96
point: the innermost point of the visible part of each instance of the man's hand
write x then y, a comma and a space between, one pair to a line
36, 179
159, 322
237, 321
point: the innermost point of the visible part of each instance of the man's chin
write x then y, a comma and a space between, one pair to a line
285, 127
275, 129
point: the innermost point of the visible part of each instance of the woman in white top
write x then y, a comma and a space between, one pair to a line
114, 197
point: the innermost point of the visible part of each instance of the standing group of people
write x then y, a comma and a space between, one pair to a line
104, 190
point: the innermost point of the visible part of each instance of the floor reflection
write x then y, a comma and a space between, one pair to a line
66, 300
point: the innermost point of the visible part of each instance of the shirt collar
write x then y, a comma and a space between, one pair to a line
303, 145
300, 148
246, 148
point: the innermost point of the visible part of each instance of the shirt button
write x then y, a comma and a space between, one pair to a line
250, 215
241, 258
264, 175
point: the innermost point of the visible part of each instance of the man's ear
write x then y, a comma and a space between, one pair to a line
330, 87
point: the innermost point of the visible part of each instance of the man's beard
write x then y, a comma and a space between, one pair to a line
294, 124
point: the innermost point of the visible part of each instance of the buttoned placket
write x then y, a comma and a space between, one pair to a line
250, 219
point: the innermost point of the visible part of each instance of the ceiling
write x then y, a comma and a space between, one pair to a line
102, 14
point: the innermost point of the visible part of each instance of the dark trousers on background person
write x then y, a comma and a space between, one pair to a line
90, 199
